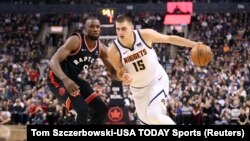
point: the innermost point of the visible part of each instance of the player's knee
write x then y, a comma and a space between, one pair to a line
81, 109
103, 108
99, 106
153, 117
156, 117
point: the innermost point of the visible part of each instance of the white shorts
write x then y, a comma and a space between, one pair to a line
157, 93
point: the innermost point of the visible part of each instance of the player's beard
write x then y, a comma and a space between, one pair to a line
93, 37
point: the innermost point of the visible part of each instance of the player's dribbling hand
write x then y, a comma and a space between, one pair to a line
127, 79
71, 87
75, 94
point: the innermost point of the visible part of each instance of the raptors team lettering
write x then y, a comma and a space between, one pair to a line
83, 60
135, 56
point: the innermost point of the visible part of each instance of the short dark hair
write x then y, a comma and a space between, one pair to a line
90, 18
123, 18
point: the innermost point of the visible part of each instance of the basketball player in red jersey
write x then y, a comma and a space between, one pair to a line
77, 54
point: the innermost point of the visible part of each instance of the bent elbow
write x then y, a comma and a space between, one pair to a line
51, 62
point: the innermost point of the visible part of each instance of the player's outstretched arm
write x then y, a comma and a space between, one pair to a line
151, 36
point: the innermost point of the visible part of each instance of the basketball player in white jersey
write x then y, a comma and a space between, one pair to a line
136, 63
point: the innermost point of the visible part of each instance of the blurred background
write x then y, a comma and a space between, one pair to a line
218, 94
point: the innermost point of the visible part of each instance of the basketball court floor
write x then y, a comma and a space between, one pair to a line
13, 133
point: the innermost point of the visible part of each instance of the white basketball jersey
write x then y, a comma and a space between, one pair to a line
140, 61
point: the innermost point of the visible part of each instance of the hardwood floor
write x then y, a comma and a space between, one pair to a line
13, 133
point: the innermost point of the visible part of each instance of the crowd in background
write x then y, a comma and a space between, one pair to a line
220, 92
216, 94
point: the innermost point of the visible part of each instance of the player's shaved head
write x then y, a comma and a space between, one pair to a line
89, 20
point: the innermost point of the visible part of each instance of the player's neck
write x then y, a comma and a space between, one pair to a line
91, 43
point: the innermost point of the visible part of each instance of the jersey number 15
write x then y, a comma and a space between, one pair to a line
139, 65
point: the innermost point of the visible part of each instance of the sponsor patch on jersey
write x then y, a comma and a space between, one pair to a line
139, 44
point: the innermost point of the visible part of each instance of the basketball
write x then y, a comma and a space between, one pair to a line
201, 55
